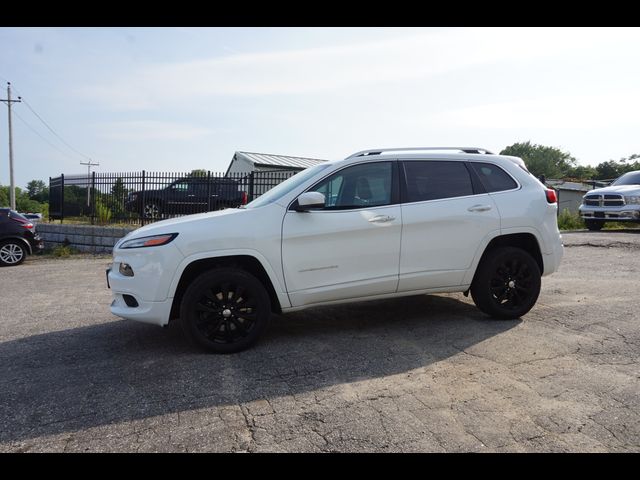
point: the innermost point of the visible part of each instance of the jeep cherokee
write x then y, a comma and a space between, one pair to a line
378, 224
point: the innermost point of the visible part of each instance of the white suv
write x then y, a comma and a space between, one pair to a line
378, 224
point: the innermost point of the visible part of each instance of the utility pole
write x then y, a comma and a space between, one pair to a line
12, 188
89, 165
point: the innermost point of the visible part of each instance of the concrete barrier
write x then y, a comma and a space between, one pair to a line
85, 238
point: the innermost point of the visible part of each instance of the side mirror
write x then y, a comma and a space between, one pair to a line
309, 200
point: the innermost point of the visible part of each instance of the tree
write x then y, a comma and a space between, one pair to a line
38, 191
542, 160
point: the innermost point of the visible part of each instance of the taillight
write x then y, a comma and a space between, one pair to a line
23, 223
552, 197
244, 198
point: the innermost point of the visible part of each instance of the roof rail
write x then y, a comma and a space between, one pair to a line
378, 151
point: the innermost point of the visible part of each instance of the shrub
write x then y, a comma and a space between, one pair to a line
62, 251
570, 221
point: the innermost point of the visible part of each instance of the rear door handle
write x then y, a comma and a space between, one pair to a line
479, 208
381, 219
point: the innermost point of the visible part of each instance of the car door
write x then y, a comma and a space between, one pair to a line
351, 247
446, 217
176, 197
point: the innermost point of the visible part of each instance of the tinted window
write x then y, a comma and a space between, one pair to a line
433, 180
367, 185
493, 177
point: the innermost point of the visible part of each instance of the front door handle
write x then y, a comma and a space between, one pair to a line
479, 208
381, 219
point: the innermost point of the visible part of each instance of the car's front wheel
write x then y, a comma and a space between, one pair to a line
12, 253
507, 283
225, 310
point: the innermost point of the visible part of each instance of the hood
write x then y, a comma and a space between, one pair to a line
619, 189
175, 224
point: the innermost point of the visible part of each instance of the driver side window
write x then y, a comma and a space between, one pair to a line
366, 185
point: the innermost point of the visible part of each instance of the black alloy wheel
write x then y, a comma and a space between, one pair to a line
507, 283
225, 310
152, 210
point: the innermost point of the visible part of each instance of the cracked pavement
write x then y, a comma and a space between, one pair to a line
428, 373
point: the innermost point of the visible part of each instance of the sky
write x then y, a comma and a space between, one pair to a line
178, 99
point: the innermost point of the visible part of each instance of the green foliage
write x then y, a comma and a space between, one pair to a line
103, 213
38, 191
613, 169
62, 251
570, 221
541, 160
4, 196
198, 173
24, 203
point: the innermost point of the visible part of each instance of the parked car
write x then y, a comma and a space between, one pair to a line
619, 202
378, 224
18, 238
187, 196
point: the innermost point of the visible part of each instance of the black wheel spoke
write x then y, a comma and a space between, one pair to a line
201, 307
242, 330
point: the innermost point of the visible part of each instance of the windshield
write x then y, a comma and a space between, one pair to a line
285, 187
630, 178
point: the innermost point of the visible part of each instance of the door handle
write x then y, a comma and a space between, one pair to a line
479, 208
381, 219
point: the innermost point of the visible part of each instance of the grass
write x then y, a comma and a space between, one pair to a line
63, 251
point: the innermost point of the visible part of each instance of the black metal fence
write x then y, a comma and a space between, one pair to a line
143, 197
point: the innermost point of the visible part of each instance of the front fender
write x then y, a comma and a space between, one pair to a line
268, 268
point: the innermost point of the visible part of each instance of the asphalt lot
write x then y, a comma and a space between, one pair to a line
428, 373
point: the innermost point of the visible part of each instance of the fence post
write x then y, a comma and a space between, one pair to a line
251, 186
143, 200
49, 199
93, 197
61, 198
208, 190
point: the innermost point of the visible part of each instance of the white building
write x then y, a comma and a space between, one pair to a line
247, 162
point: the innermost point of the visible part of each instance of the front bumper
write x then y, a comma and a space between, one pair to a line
629, 213
146, 295
156, 313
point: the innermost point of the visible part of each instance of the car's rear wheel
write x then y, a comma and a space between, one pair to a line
152, 210
12, 253
507, 283
594, 224
225, 310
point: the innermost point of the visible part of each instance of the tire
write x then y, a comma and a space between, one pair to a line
221, 326
12, 252
594, 225
152, 209
507, 283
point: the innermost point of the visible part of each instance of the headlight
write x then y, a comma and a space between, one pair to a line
632, 200
152, 241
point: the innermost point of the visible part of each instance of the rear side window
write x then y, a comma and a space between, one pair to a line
431, 180
493, 177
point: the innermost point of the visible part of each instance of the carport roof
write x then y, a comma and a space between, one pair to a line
270, 160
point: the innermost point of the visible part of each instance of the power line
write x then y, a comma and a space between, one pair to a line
50, 128
38, 134
53, 131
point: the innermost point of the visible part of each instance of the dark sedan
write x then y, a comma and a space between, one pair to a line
18, 238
